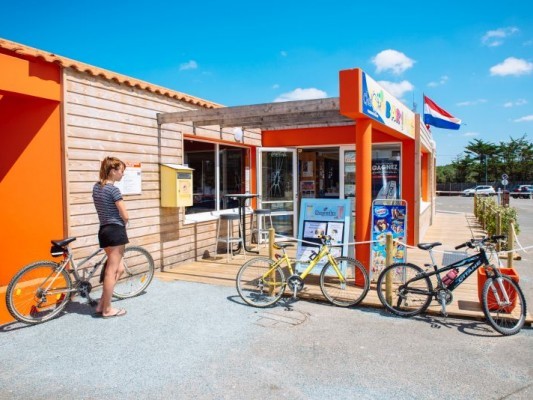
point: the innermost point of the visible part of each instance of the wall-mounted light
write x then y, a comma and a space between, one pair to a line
238, 134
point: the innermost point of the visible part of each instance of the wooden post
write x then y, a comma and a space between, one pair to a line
510, 243
498, 228
483, 211
271, 239
475, 205
388, 261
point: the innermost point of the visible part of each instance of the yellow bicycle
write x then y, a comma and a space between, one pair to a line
262, 281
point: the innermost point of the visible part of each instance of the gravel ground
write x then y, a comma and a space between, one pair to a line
186, 340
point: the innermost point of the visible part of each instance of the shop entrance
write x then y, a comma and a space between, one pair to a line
277, 187
326, 172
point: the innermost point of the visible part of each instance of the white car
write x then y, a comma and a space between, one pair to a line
481, 190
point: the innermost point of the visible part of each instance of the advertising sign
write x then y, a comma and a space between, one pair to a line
388, 216
323, 217
381, 106
385, 179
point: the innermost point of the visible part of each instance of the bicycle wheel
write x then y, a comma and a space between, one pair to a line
408, 298
138, 273
38, 292
257, 286
348, 290
505, 318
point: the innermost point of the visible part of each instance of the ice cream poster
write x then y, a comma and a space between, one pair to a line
387, 218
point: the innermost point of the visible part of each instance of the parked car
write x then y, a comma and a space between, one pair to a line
522, 191
481, 190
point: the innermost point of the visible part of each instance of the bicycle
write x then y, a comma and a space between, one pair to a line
41, 290
261, 281
411, 289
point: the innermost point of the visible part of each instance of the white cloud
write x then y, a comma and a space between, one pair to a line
275, 86
512, 66
442, 80
397, 89
189, 65
519, 102
527, 118
470, 134
301, 94
471, 103
496, 37
392, 60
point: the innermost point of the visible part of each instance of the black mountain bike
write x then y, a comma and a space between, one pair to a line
407, 290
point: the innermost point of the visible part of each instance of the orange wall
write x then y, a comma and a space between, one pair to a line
333, 136
31, 179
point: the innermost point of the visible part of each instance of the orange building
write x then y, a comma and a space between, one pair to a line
60, 118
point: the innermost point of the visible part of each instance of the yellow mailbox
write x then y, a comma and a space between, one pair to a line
176, 185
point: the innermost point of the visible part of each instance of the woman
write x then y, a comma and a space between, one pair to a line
112, 235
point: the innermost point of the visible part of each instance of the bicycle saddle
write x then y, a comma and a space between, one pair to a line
282, 245
428, 246
63, 242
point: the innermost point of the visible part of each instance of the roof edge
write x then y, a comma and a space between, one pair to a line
64, 62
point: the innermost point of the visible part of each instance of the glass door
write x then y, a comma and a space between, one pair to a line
277, 187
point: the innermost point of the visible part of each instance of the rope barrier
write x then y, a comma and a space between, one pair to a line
293, 239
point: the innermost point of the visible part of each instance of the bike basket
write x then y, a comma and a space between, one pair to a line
56, 251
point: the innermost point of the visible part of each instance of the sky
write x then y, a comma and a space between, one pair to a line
474, 59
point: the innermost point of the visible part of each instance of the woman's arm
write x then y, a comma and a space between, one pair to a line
121, 206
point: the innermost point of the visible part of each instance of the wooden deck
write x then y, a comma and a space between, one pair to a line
449, 229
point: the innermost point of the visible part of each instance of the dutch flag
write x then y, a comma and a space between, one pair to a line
436, 116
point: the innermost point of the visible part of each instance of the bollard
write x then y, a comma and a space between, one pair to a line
271, 239
388, 261
498, 229
510, 243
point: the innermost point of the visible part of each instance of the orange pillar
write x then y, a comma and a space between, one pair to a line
363, 182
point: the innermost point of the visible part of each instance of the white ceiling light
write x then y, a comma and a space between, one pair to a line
238, 134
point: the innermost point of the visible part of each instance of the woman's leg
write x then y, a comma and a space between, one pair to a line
114, 269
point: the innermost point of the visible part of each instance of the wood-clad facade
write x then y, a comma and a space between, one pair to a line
103, 118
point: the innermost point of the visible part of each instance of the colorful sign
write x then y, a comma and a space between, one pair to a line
323, 217
381, 106
388, 216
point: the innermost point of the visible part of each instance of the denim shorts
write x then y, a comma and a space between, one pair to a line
112, 235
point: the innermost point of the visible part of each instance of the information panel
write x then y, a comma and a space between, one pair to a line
388, 216
131, 182
323, 217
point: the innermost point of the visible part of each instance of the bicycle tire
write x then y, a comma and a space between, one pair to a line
407, 301
137, 275
506, 319
24, 299
254, 289
354, 288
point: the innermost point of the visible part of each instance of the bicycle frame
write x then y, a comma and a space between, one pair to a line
324, 252
472, 263
69, 259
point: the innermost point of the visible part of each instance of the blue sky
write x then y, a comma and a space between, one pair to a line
474, 59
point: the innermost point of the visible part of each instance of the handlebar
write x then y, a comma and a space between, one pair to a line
325, 238
472, 243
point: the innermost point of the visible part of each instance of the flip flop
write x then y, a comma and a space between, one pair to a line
97, 314
120, 313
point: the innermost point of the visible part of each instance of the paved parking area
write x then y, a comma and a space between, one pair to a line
189, 340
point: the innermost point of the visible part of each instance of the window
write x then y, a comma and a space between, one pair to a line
219, 170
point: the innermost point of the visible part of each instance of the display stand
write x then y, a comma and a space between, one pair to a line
323, 217
388, 216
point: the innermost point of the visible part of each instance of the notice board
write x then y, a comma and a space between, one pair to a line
323, 217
